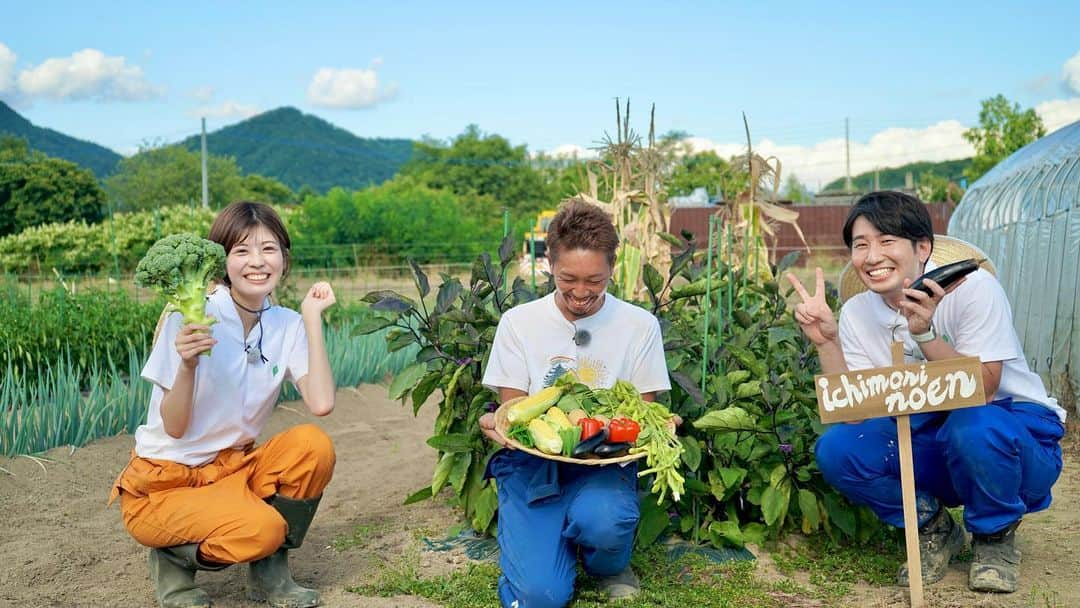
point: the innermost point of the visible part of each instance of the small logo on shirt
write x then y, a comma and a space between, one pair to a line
274, 371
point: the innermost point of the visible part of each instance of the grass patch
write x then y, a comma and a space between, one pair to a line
690, 581
361, 536
834, 568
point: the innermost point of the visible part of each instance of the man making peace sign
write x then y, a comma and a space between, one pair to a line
999, 460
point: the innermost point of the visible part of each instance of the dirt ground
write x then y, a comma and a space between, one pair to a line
61, 547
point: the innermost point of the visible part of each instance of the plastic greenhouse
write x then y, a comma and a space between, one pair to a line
1025, 214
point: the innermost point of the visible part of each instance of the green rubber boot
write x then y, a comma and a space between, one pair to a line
172, 571
269, 579
940, 540
996, 564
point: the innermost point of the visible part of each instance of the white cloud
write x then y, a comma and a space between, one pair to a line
348, 88
225, 109
823, 162
7, 69
572, 151
1057, 113
87, 74
1071, 72
203, 94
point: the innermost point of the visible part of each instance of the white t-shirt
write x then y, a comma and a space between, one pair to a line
534, 345
975, 319
233, 398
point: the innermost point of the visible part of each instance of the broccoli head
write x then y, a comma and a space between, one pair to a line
180, 267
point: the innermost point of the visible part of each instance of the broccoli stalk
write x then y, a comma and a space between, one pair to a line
180, 267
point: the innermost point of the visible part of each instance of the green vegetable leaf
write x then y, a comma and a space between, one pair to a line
454, 443
688, 385
748, 389
781, 334
691, 455
731, 477
391, 304
442, 473
460, 471
671, 239
370, 325
774, 503
424, 390
787, 261
654, 520
422, 284
809, 507
653, 281
840, 514
423, 493
448, 294
406, 379
720, 531
726, 420
485, 506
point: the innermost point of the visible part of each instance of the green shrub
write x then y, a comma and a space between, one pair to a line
115, 245
85, 330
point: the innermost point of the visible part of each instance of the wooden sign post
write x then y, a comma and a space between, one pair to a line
900, 391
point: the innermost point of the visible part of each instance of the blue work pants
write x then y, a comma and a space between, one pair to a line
998, 460
548, 512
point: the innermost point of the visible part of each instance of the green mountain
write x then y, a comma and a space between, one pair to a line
299, 149
893, 177
102, 161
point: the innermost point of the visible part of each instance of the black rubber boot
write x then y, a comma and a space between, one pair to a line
172, 571
269, 579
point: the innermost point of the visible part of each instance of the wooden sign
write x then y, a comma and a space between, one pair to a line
930, 386
902, 390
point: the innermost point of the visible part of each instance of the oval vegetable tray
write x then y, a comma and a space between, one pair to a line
503, 426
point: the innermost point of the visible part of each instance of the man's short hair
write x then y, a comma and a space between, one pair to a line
580, 225
893, 213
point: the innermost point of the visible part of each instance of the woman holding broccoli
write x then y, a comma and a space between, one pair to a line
197, 490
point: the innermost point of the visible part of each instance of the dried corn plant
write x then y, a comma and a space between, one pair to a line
630, 174
751, 218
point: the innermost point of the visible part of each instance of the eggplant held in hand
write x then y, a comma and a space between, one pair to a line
946, 275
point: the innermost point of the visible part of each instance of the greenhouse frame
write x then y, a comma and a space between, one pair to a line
1025, 214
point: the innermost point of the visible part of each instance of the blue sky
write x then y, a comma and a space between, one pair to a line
909, 77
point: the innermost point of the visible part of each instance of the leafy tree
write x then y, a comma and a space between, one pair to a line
795, 191
37, 189
402, 218
171, 175
1003, 129
708, 170
475, 163
267, 190
934, 188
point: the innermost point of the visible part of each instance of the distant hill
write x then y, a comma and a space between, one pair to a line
101, 160
298, 149
893, 177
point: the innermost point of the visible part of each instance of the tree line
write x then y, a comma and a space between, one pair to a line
460, 187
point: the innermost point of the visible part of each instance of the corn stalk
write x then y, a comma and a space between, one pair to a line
631, 174
750, 221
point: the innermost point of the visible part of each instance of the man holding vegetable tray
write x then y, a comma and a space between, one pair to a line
549, 511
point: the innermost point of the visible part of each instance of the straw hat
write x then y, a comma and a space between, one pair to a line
947, 249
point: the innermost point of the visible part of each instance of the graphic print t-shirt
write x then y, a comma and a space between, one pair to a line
534, 345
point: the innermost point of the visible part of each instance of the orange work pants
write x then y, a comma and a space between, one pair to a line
220, 505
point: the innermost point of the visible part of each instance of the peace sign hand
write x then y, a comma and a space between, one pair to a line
813, 313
